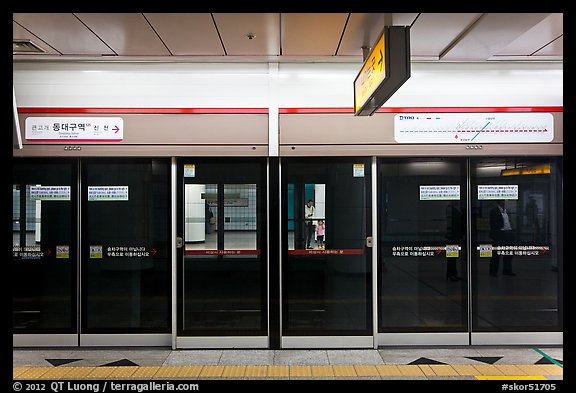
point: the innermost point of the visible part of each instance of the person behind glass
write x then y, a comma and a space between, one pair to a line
320, 231
308, 225
502, 234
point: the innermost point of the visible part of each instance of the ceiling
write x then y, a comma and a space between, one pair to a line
278, 37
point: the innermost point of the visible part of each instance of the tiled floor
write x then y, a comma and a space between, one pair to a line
384, 363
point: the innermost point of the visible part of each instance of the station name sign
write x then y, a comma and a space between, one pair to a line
74, 129
385, 69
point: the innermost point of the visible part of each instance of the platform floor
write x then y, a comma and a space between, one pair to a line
472, 363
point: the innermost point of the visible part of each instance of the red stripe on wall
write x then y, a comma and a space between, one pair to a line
146, 110
415, 109
418, 109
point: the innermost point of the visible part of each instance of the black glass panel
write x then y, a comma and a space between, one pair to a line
223, 288
517, 244
326, 265
126, 246
422, 258
44, 260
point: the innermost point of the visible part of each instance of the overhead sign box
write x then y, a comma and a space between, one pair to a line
385, 69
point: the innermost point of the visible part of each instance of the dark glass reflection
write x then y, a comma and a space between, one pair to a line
517, 255
43, 247
126, 266
326, 269
422, 259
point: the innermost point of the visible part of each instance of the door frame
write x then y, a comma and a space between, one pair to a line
216, 341
330, 341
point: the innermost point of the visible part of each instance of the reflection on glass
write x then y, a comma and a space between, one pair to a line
326, 273
43, 256
201, 216
16, 214
126, 267
303, 220
224, 283
422, 267
240, 217
517, 254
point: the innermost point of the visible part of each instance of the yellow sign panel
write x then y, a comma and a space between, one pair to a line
485, 250
96, 252
452, 250
63, 252
373, 72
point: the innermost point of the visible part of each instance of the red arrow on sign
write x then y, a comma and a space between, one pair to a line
116, 129
48, 252
153, 251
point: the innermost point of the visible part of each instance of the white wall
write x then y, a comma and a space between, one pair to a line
299, 85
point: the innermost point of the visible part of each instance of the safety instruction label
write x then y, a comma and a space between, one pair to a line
50, 193
107, 193
95, 252
62, 252
358, 170
440, 193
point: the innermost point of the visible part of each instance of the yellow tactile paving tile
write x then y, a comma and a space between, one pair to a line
57, 373
233, 371
123, 372
509, 369
479, 371
101, 372
189, 371
444, 370
300, 371
388, 370
145, 372
34, 372
550, 369
211, 372
427, 370
366, 370
344, 371
465, 369
510, 377
540, 369
168, 372
487, 369
16, 371
79, 372
410, 370
256, 371
322, 371
278, 371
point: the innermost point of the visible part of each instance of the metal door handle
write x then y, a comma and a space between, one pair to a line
179, 242
369, 242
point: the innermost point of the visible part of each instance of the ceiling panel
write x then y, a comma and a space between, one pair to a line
362, 30
64, 32
491, 33
187, 33
315, 34
337, 37
127, 33
534, 39
432, 33
404, 18
263, 27
20, 33
555, 48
